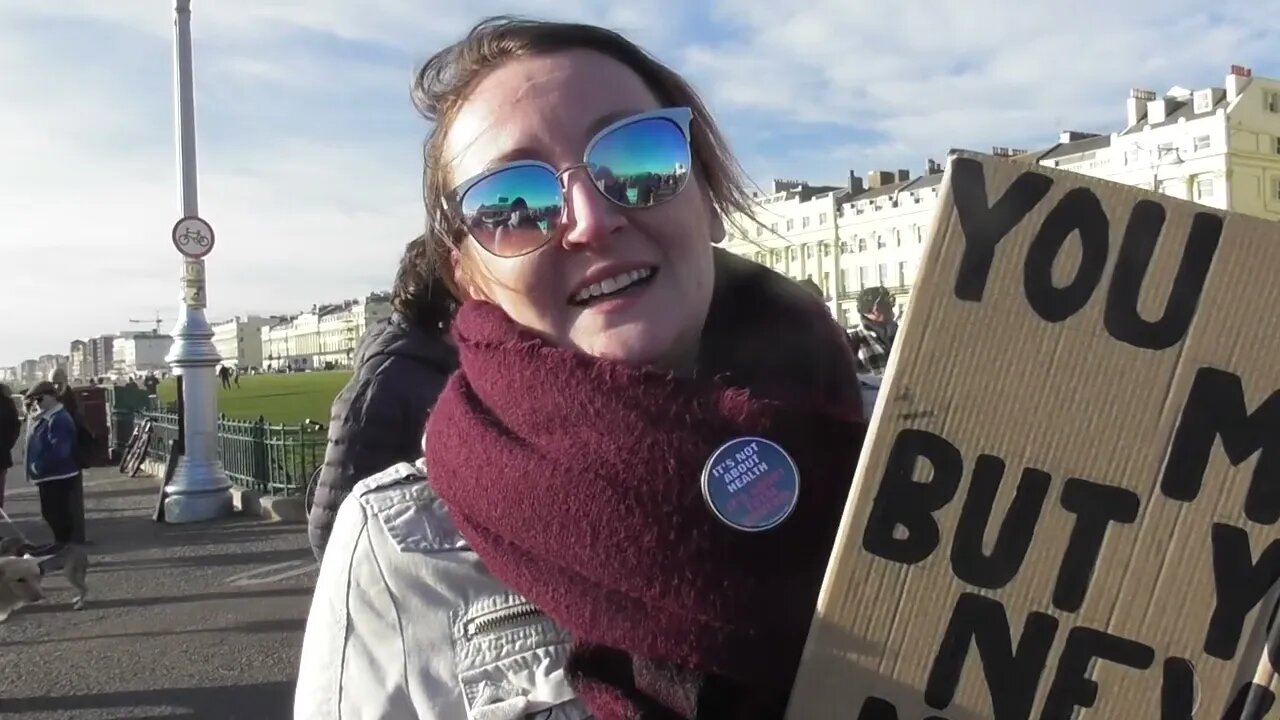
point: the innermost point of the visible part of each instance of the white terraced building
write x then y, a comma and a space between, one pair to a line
1217, 146
325, 335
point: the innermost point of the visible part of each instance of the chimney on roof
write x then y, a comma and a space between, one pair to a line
1136, 108
1237, 81
855, 183
932, 167
879, 178
904, 175
1158, 110
1067, 136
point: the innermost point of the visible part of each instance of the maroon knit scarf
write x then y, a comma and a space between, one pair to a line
578, 483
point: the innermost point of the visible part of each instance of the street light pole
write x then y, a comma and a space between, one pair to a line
199, 489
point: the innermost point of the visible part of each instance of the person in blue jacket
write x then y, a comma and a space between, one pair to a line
51, 459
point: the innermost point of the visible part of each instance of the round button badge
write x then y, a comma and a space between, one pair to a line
751, 484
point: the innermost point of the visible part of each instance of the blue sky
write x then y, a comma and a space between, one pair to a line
309, 151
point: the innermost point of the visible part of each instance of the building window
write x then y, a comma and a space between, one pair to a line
1201, 142
1164, 150
791, 225
773, 227
822, 218
862, 244
897, 237
1271, 101
919, 234
759, 230
804, 222
864, 277
903, 280
845, 246
777, 256
879, 241
808, 251
826, 284
826, 250
1277, 148
883, 274
1204, 188
793, 254
846, 280
1275, 189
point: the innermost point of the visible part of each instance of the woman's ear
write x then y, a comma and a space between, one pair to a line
717, 227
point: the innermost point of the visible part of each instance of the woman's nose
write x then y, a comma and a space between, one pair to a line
590, 217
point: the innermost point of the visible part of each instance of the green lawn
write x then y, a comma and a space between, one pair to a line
287, 399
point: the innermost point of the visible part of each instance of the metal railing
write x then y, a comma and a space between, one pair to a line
270, 459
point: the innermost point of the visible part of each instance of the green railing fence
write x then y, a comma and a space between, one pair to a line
271, 459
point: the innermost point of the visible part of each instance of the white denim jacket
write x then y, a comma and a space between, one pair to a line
407, 623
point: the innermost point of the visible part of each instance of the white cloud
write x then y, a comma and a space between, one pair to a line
310, 156
929, 76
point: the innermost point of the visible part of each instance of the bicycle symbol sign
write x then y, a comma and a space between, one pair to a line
193, 237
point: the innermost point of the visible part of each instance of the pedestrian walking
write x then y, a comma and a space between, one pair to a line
10, 431
86, 443
872, 338
51, 459
224, 373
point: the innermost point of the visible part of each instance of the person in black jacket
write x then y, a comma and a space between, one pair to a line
400, 368
10, 431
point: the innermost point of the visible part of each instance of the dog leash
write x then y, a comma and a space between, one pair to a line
14, 525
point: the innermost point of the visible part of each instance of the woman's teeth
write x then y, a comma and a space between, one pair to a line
611, 285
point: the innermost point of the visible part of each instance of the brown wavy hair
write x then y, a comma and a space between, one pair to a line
418, 293
446, 80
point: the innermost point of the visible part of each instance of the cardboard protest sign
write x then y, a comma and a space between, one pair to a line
1067, 505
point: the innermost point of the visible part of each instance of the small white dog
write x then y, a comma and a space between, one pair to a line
19, 584
21, 575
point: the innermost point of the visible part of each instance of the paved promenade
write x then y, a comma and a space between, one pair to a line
183, 621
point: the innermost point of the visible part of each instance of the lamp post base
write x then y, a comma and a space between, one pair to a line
198, 492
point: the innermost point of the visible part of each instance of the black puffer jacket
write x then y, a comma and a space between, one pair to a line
10, 431
377, 419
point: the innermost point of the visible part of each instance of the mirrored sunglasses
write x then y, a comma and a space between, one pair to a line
637, 162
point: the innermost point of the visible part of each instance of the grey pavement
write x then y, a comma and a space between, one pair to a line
183, 621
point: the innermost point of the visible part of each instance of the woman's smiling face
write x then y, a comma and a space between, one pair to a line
657, 261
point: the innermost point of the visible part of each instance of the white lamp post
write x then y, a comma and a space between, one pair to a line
199, 489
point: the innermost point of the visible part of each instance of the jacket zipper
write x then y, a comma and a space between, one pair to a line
498, 619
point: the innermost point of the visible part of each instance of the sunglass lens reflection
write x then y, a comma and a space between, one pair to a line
512, 212
641, 164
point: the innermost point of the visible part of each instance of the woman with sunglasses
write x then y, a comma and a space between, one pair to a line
631, 487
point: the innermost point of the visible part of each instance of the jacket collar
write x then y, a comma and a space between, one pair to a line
46, 414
